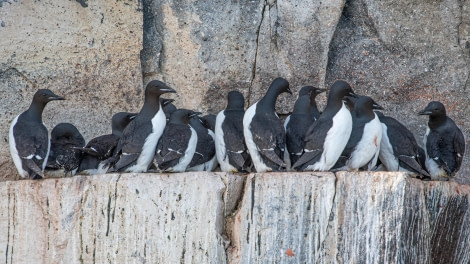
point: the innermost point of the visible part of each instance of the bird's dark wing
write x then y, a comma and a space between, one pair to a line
314, 141
459, 149
171, 146
205, 148
234, 139
130, 144
31, 146
433, 143
102, 147
269, 136
411, 163
295, 135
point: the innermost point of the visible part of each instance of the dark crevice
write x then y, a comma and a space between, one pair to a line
253, 70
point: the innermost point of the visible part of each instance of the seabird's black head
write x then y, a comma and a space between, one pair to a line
156, 88
43, 96
434, 109
235, 100
365, 105
280, 85
120, 120
306, 90
66, 133
339, 90
182, 116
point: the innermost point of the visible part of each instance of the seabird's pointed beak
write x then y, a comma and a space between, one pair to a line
424, 112
56, 97
195, 114
377, 107
132, 116
167, 90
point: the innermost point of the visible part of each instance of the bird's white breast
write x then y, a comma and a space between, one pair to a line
368, 147
14, 152
250, 144
148, 150
336, 140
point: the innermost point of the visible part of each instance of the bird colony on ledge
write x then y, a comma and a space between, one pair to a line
350, 134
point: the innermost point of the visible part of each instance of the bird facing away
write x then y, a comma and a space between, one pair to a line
327, 137
29, 138
264, 132
399, 150
65, 138
363, 145
136, 147
300, 120
101, 148
444, 143
204, 156
232, 153
177, 145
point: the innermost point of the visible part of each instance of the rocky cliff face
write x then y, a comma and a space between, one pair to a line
95, 54
225, 218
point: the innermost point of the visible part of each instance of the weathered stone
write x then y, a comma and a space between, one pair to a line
353, 218
86, 51
405, 54
280, 218
142, 218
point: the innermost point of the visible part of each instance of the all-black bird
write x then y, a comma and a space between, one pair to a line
300, 120
444, 143
363, 145
136, 147
177, 145
232, 153
204, 158
399, 150
102, 147
264, 132
65, 139
29, 138
327, 137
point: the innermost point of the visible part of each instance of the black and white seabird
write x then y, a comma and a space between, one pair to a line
101, 148
65, 138
264, 132
327, 137
300, 120
204, 158
399, 150
444, 143
363, 145
136, 147
231, 150
29, 138
177, 145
